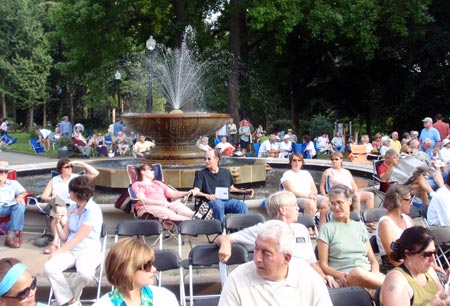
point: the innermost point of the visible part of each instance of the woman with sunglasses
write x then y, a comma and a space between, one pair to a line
17, 286
337, 175
58, 187
153, 195
344, 247
414, 282
398, 201
129, 269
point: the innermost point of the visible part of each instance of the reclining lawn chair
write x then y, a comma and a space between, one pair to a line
36, 146
7, 140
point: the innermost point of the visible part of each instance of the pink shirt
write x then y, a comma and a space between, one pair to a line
155, 191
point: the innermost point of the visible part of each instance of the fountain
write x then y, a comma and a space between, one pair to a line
180, 78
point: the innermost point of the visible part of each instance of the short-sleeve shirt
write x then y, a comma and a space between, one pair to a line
90, 216
61, 188
156, 191
431, 133
302, 180
9, 191
303, 247
346, 245
207, 181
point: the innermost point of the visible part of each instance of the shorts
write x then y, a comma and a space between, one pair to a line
50, 208
244, 144
301, 201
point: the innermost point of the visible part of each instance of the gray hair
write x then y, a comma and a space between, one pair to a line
205, 138
279, 230
272, 137
277, 200
391, 153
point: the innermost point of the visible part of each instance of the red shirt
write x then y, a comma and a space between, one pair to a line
380, 170
443, 129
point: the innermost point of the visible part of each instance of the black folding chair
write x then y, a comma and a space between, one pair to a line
166, 260
236, 222
308, 221
140, 228
346, 296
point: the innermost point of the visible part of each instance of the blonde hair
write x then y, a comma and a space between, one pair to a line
124, 259
277, 200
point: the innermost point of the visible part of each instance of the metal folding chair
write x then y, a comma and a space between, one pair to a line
140, 228
166, 260
350, 296
236, 222
442, 242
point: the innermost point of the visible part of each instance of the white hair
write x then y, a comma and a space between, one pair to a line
280, 231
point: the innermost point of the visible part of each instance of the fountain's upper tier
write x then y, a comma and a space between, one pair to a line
180, 128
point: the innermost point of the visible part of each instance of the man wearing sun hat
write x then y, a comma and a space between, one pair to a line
12, 203
429, 131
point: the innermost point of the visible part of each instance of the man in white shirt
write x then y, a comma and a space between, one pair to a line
269, 148
439, 210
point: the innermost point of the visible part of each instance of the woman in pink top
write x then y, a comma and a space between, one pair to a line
153, 196
337, 175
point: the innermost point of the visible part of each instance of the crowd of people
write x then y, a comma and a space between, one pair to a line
285, 267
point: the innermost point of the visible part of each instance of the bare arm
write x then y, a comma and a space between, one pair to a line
47, 194
91, 172
387, 236
375, 266
395, 290
237, 190
323, 182
225, 243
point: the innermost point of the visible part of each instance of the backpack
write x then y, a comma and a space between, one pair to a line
203, 212
124, 202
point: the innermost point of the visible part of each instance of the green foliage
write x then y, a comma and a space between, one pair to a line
319, 124
65, 141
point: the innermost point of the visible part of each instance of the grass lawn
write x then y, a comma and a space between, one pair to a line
23, 145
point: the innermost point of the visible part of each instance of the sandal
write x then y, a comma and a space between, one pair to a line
52, 248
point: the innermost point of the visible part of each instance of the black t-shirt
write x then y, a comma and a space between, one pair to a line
207, 181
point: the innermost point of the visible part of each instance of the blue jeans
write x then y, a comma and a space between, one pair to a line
222, 207
339, 148
17, 213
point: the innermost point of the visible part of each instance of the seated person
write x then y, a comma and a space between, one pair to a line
129, 268
153, 196
398, 201
44, 135
269, 148
324, 143
301, 183
366, 141
278, 207
444, 152
263, 137
285, 147
274, 277
17, 285
121, 144
98, 143
414, 282
143, 146
203, 143
81, 146
207, 182
419, 184
338, 142
79, 231
344, 247
12, 203
385, 145
310, 148
376, 144
438, 213
337, 175
224, 147
58, 188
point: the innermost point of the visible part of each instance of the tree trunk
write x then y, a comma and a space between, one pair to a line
44, 113
233, 75
4, 114
30, 119
180, 12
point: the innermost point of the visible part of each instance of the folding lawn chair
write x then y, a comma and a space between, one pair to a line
36, 146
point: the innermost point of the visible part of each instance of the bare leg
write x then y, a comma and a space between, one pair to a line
368, 198
365, 279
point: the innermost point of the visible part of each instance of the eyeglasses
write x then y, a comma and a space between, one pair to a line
428, 254
22, 295
340, 203
68, 167
147, 267
296, 160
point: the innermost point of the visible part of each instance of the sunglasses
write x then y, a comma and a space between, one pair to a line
147, 267
428, 254
22, 295
4, 171
68, 167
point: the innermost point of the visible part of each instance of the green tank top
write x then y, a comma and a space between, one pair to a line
421, 294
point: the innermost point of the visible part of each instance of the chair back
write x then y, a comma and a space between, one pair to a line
166, 259
298, 148
36, 146
256, 147
371, 215
306, 220
200, 227
236, 222
359, 153
350, 296
138, 228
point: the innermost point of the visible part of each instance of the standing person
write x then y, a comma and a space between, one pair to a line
17, 285
80, 231
66, 127
129, 268
142, 146
213, 184
117, 127
232, 130
58, 188
244, 136
442, 127
12, 203
4, 126
274, 277
429, 131
344, 247
338, 142
414, 282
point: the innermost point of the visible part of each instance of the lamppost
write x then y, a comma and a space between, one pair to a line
117, 76
151, 45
